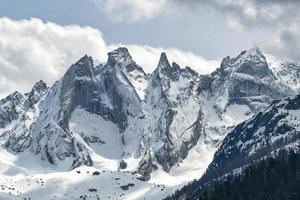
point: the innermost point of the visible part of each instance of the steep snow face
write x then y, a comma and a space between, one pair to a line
269, 131
101, 136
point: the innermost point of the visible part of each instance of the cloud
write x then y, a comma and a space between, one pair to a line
133, 10
285, 43
31, 50
247, 11
277, 20
259, 13
249, 17
148, 57
250, 13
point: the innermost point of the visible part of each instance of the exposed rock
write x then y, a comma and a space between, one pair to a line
37, 92
145, 167
123, 164
10, 108
93, 190
126, 187
96, 173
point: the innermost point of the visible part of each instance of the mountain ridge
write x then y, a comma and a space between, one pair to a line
115, 115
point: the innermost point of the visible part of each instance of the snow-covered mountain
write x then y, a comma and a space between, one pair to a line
116, 118
275, 129
272, 132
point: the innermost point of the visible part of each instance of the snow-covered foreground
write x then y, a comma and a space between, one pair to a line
21, 180
81, 183
24, 176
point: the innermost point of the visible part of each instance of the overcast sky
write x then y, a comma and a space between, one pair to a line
39, 39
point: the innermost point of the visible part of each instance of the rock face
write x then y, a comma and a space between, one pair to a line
11, 108
160, 117
145, 167
117, 81
36, 93
172, 99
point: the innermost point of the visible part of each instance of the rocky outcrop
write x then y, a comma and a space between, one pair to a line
36, 93
146, 167
10, 108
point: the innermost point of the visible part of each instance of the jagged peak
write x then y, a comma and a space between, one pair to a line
83, 67
120, 58
40, 85
255, 50
244, 55
163, 61
15, 94
190, 71
12, 97
120, 55
164, 66
175, 66
35, 94
172, 71
85, 59
253, 54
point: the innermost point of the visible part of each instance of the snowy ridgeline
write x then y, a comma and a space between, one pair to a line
144, 135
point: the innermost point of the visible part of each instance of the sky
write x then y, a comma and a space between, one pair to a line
40, 39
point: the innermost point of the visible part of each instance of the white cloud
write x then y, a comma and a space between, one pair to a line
133, 10
273, 23
285, 43
31, 50
234, 23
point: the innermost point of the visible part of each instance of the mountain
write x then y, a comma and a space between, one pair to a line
270, 133
275, 129
116, 118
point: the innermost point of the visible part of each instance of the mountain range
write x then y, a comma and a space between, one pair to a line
112, 131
